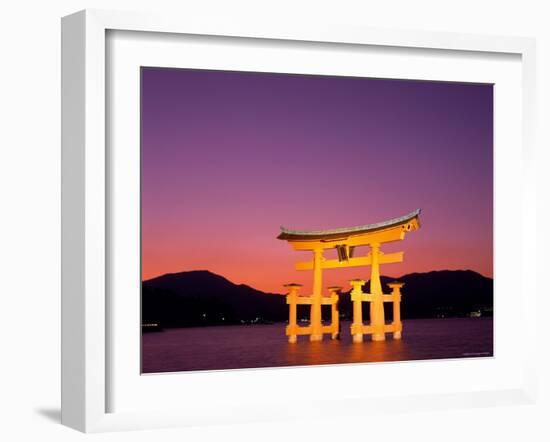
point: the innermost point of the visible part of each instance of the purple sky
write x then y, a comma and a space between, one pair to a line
228, 157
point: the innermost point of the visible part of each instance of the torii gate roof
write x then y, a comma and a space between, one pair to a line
344, 232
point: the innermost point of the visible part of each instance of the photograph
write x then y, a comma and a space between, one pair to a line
301, 220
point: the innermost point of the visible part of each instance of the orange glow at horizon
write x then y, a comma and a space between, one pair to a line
268, 264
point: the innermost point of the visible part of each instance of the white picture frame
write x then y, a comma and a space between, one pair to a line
86, 203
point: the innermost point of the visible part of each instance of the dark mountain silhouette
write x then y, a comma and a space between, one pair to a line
203, 298
436, 294
446, 293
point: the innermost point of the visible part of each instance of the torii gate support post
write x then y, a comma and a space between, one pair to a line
334, 313
396, 295
291, 300
315, 315
377, 320
357, 299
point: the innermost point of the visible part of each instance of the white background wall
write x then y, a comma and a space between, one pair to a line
30, 220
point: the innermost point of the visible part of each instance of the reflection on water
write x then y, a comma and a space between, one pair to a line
251, 346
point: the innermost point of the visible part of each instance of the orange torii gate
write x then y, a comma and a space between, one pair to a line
344, 240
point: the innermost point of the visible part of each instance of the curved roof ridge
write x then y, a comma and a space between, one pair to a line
390, 222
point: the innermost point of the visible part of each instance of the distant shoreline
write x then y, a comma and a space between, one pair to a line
285, 322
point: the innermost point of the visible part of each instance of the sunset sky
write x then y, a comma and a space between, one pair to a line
228, 157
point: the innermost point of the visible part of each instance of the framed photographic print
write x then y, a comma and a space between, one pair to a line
253, 215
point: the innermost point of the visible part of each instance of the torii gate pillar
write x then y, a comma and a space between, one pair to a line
377, 303
315, 316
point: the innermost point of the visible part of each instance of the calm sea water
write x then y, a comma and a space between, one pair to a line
253, 346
